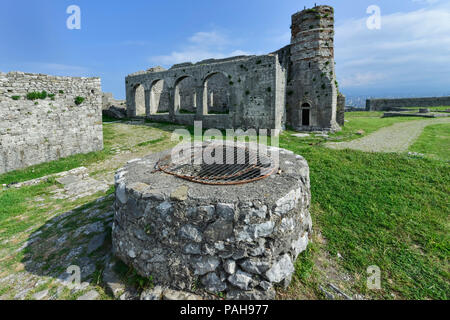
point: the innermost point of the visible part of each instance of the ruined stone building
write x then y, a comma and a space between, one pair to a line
295, 86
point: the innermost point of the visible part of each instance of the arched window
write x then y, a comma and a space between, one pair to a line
185, 96
216, 94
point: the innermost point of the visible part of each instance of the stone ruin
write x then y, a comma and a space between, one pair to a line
235, 233
295, 86
52, 126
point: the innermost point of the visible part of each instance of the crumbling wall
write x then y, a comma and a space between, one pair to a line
108, 101
246, 99
42, 130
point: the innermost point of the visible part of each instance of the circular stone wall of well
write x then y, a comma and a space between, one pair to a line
238, 239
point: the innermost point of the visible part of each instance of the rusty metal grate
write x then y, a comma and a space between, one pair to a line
230, 165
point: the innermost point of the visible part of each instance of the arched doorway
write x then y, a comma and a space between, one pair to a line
216, 94
139, 99
159, 97
185, 96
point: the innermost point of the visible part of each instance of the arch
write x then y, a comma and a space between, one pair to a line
139, 99
216, 93
159, 97
185, 97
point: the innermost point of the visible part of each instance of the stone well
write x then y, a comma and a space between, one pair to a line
238, 239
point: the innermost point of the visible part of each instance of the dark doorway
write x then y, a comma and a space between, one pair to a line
305, 117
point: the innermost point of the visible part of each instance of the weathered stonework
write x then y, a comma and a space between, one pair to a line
340, 114
395, 104
32, 132
238, 239
293, 86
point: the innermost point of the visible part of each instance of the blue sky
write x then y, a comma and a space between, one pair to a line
409, 55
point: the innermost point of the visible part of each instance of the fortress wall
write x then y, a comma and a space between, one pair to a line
246, 87
389, 104
42, 130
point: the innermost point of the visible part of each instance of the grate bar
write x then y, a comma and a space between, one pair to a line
248, 166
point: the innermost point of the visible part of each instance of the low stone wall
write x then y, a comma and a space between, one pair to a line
42, 130
237, 239
393, 104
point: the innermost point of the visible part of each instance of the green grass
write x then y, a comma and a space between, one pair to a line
48, 168
37, 95
382, 209
79, 100
151, 142
388, 210
434, 141
441, 108
367, 121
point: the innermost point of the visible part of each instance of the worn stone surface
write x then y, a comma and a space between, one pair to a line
238, 238
91, 295
33, 132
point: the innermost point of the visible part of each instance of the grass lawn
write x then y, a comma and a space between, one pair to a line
434, 141
380, 209
388, 210
369, 122
441, 108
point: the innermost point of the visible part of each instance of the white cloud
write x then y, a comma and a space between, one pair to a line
426, 1
201, 46
411, 49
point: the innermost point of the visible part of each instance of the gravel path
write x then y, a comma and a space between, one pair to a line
395, 138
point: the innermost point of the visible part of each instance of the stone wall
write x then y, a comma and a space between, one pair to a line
33, 132
245, 88
312, 86
295, 85
108, 101
392, 104
233, 239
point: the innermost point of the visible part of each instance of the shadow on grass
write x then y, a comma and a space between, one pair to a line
79, 237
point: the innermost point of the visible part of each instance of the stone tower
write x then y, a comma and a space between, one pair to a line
312, 86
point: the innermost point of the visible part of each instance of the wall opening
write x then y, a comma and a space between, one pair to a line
185, 96
217, 93
306, 114
159, 98
139, 99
